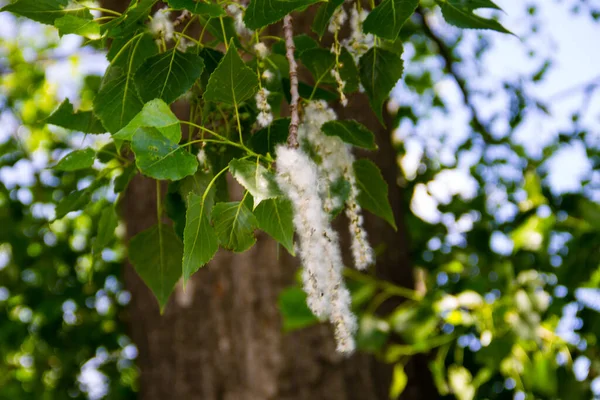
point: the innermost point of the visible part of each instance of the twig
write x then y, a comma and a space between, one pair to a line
185, 14
290, 48
585, 87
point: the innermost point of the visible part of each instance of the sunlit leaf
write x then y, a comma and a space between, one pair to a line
460, 14
45, 11
77, 159
160, 158
156, 113
255, 178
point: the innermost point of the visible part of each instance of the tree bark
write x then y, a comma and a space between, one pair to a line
222, 339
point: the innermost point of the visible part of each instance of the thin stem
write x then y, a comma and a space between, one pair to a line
187, 37
104, 10
239, 124
224, 34
212, 182
383, 285
158, 203
289, 53
125, 47
272, 38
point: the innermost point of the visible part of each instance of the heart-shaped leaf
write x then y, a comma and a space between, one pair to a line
351, 132
255, 178
168, 75
265, 12
388, 17
77, 159
275, 216
234, 224
200, 242
373, 194
156, 256
460, 14
232, 81
156, 113
380, 70
82, 121
160, 158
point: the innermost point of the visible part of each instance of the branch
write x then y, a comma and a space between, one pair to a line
290, 48
586, 88
450, 66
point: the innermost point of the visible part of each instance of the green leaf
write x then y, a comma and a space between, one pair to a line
380, 70
71, 24
130, 52
265, 140
107, 153
460, 14
373, 194
387, 18
45, 11
156, 256
349, 71
131, 20
302, 42
255, 178
351, 132
73, 202
294, 311
320, 62
77, 200
323, 15
211, 58
175, 208
168, 75
82, 121
157, 114
78, 159
106, 228
213, 25
234, 224
275, 216
232, 82
399, 381
197, 184
160, 158
200, 242
340, 191
265, 12
118, 102
198, 7
123, 180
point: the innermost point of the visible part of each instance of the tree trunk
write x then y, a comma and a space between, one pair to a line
222, 339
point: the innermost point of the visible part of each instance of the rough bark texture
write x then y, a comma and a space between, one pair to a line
222, 340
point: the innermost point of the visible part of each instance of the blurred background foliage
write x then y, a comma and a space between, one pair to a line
507, 264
